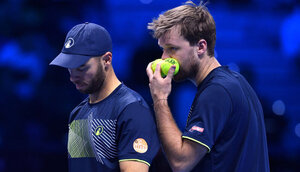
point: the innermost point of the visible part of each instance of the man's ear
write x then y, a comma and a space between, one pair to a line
107, 58
202, 47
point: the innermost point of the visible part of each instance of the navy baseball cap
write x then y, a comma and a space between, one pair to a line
83, 41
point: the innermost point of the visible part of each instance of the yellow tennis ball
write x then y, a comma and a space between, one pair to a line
154, 63
166, 65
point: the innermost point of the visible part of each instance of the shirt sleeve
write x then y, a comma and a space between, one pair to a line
208, 116
138, 139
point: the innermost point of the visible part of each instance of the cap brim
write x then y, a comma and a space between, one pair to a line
70, 60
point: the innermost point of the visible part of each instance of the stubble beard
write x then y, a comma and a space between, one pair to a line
96, 83
186, 73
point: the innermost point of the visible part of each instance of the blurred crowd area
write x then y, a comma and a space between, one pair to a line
258, 38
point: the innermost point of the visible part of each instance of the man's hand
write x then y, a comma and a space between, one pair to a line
160, 88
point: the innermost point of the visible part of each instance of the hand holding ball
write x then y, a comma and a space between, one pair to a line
165, 65
154, 64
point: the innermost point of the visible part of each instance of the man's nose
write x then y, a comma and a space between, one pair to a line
74, 75
165, 55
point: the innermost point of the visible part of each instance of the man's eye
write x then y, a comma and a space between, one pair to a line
82, 69
173, 48
170, 49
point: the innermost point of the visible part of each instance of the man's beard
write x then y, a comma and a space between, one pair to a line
97, 82
183, 74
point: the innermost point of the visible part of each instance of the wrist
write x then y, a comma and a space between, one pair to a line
158, 101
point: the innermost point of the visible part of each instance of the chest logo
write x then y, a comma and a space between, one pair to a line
98, 130
140, 145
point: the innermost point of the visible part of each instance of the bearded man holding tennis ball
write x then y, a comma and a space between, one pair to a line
225, 127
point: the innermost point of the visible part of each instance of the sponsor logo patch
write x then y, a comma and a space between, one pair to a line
140, 145
196, 128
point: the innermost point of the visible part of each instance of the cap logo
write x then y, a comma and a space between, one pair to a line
140, 145
69, 43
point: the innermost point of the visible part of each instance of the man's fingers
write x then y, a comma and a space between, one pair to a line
157, 69
149, 71
171, 72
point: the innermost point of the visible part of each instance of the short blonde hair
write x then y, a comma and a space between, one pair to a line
195, 23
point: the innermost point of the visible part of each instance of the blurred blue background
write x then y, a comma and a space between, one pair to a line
258, 38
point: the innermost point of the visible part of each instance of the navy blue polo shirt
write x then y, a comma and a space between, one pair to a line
119, 128
226, 117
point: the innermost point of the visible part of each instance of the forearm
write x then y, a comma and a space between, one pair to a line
169, 133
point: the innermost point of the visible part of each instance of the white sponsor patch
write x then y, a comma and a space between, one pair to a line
196, 128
